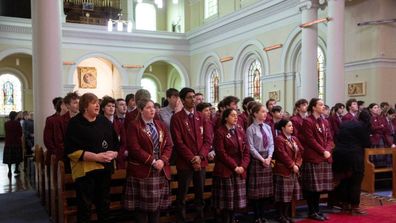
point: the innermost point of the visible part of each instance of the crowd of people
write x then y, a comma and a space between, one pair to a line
19, 139
261, 155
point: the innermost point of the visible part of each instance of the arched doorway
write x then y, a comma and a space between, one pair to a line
158, 77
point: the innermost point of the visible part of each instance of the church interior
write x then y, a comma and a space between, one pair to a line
282, 50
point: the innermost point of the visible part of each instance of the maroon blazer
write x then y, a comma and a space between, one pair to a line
189, 141
335, 123
132, 116
318, 139
13, 133
243, 120
140, 149
297, 121
348, 117
50, 137
287, 154
230, 152
379, 131
60, 128
120, 130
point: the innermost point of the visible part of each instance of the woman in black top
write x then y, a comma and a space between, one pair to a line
91, 144
348, 161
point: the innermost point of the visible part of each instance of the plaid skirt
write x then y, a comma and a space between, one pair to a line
317, 177
286, 188
260, 181
12, 154
229, 193
149, 194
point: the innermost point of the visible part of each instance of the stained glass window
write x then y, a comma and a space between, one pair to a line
11, 95
213, 83
254, 79
321, 73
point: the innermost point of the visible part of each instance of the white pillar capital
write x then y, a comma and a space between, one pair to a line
308, 4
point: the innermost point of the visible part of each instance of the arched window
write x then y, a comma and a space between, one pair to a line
210, 8
254, 79
150, 85
321, 73
213, 83
11, 96
146, 16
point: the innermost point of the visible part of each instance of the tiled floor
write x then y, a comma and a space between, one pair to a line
15, 182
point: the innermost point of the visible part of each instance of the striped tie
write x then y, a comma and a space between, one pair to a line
154, 138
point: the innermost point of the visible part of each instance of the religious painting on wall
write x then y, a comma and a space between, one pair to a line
274, 95
356, 89
87, 77
216, 88
256, 84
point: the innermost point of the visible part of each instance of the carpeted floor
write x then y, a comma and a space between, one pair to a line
21, 207
378, 214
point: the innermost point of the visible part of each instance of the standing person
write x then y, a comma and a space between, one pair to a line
260, 179
269, 104
352, 110
192, 139
288, 155
199, 98
204, 108
119, 124
348, 162
277, 115
130, 102
91, 145
49, 129
133, 114
28, 133
244, 116
121, 110
300, 113
148, 172
233, 155
12, 153
166, 113
227, 102
335, 118
316, 171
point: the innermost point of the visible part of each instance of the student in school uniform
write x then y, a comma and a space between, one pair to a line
192, 139
316, 170
231, 163
300, 112
244, 116
288, 155
352, 110
148, 172
260, 178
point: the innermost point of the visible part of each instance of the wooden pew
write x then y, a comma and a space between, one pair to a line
370, 170
47, 181
67, 209
53, 189
39, 171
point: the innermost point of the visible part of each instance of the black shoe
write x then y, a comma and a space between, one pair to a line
9, 174
316, 216
323, 215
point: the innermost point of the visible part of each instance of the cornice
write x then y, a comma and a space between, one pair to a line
371, 63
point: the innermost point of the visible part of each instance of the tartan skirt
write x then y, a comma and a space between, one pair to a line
148, 194
229, 193
286, 188
260, 181
12, 154
317, 177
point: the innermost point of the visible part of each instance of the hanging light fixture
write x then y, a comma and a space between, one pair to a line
120, 24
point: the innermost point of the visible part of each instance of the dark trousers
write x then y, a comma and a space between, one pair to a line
348, 191
313, 199
93, 188
184, 179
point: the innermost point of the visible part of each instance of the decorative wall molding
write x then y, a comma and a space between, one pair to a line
371, 64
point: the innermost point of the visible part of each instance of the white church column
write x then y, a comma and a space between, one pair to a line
309, 72
335, 81
47, 66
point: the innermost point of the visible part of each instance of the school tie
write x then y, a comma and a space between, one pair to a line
265, 139
191, 121
154, 138
232, 131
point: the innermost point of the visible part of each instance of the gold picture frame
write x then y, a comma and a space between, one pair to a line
274, 95
87, 77
356, 89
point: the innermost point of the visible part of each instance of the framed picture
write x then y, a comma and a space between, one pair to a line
88, 6
357, 89
87, 77
274, 95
